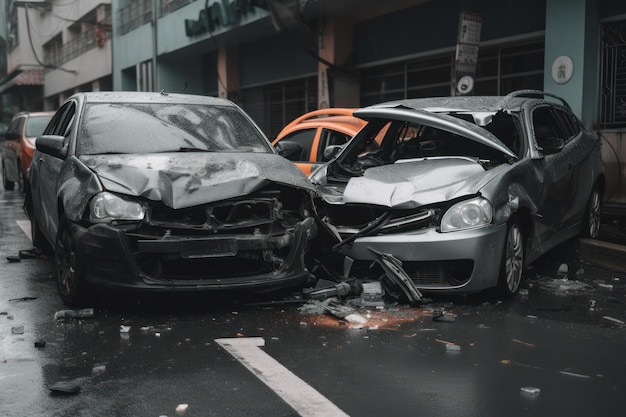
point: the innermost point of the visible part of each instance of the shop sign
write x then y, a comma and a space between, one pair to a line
470, 25
220, 13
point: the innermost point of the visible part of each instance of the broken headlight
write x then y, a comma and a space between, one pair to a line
106, 207
468, 214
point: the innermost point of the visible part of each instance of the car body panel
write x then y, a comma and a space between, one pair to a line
230, 218
392, 198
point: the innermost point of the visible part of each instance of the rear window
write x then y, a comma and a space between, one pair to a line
131, 128
36, 125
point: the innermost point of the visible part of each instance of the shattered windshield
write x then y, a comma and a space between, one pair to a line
135, 128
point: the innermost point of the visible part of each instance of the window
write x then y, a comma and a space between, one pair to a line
613, 75
500, 70
304, 140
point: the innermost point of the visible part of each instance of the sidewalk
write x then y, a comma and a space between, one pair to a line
609, 251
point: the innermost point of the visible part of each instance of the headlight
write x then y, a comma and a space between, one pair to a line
106, 207
468, 214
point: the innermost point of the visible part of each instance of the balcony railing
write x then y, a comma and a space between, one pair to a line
78, 46
136, 14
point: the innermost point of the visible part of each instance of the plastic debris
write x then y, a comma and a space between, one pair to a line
98, 369
17, 330
28, 254
605, 286
444, 317
181, 409
613, 320
22, 299
65, 387
453, 348
523, 291
124, 328
563, 269
79, 314
371, 294
40, 344
530, 391
14, 259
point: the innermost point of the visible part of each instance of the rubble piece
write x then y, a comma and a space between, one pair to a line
98, 369
445, 342
40, 344
605, 286
521, 342
393, 270
14, 259
355, 318
612, 320
444, 318
530, 391
17, 330
65, 387
340, 289
574, 374
77, 314
124, 328
28, 254
371, 294
563, 269
181, 409
453, 348
22, 299
561, 286
523, 291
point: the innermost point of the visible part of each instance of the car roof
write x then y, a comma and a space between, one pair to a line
512, 102
148, 97
33, 113
335, 118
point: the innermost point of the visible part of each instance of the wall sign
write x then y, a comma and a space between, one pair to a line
562, 69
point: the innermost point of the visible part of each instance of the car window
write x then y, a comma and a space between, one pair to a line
330, 138
546, 126
53, 126
14, 126
571, 125
166, 127
304, 139
36, 125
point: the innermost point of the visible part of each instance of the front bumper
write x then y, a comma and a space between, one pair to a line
113, 258
456, 262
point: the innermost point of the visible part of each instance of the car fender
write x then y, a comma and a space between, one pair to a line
77, 184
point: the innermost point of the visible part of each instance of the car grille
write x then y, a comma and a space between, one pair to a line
439, 273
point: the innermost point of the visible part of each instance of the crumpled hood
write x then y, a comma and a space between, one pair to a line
187, 179
417, 183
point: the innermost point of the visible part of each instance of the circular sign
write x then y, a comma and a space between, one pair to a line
562, 69
465, 85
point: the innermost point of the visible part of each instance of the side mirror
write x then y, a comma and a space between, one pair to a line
289, 150
51, 145
551, 145
331, 151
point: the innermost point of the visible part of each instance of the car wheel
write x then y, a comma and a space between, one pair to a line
8, 185
592, 220
512, 264
70, 284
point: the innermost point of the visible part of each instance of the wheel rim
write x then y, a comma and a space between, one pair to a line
595, 208
514, 261
64, 258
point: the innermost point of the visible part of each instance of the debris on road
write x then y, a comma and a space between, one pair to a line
530, 391
40, 344
613, 321
521, 342
17, 330
65, 387
79, 314
22, 299
560, 286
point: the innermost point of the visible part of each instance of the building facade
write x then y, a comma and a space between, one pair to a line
54, 48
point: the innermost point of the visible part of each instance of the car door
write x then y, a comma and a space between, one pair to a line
306, 140
48, 168
555, 173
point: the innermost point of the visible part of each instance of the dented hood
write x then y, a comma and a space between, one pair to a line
187, 179
417, 183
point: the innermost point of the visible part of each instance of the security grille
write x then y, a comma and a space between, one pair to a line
613, 75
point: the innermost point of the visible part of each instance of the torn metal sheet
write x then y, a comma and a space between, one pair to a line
393, 270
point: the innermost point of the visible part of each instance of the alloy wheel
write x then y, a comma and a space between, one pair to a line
514, 258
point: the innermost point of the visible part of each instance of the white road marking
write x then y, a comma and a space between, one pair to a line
294, 391
25, 226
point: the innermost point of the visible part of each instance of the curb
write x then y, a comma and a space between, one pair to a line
607, 255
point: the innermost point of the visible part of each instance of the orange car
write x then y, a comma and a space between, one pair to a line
19, 146
303, 141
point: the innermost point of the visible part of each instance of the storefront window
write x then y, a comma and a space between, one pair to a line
613, 75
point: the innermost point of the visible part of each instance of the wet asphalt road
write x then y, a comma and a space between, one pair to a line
557, 351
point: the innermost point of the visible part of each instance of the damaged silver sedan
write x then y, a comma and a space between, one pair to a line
166, 192
460, 194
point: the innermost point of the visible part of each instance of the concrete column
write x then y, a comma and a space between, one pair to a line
336, 87
572, 38
228, 73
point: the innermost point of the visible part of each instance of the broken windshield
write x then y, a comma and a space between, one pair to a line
132, 128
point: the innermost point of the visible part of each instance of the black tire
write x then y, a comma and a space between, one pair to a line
8, 185
71, 286
512, 263
591, 222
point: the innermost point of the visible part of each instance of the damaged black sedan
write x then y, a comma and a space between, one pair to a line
460, 194
164, 192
